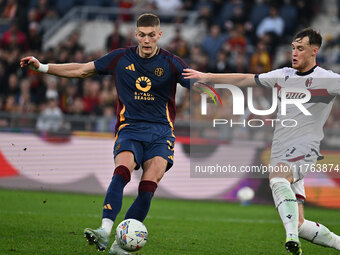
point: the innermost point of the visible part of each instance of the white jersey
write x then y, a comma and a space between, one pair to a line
323, 85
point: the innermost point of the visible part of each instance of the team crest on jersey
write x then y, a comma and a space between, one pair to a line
309, 82
159, 71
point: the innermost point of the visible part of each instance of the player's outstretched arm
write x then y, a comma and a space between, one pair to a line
71, 70
237, 79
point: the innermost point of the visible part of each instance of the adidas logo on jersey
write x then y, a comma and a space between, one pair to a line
131, 67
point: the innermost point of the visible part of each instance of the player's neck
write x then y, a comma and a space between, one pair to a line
307, 68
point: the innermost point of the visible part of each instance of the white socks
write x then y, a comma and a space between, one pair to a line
107, 225
286, 205
319, 234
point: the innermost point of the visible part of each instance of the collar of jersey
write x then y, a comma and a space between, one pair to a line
146, 59
307, 72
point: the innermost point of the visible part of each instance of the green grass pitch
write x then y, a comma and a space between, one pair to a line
52, 223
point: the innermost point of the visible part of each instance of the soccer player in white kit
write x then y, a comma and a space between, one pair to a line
294, 148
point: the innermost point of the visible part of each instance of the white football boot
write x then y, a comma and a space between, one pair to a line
99, 237
117, 250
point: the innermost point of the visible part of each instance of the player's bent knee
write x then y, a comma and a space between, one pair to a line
150, 176
282, 174
277, 181
286, 176
154, 169
126, 158
153, 173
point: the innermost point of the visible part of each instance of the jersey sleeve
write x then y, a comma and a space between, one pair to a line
105, 65
333, 84
268, 80
180, 65
335, 88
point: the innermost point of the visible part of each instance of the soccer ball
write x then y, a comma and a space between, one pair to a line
131, 235
245, 194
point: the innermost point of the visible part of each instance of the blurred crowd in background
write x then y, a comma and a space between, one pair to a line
241, 36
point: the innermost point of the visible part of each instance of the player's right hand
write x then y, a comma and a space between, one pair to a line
31, 62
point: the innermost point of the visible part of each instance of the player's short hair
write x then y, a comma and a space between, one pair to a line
148, 20
314, 37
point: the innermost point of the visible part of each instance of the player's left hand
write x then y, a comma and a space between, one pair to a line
31, 62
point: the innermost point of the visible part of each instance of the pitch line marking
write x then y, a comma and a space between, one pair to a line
226, 220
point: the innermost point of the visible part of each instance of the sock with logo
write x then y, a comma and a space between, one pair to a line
286, 205
319, 234
114, 195
140, 207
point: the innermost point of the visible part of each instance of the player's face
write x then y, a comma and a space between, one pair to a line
147, 38
303, 54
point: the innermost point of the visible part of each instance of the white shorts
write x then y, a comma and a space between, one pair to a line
299, 158
299, 190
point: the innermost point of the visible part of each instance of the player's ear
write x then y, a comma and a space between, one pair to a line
315, 50
160, 33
